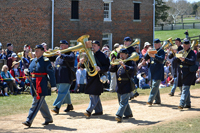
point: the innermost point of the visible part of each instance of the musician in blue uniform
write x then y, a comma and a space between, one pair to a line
157, 72
41, 71
123, 85
188, 70
175, 68
63, 65
94, 86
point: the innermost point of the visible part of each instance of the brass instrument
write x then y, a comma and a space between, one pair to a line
136, 42
184, 53
134, 57
20, 54
89, 58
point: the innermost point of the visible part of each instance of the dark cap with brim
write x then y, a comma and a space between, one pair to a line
39, 47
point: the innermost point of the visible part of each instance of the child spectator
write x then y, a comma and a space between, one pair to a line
170, 79
163, 84
81, 78
142, 81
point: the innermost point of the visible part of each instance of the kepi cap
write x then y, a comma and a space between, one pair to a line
186, 41
123, 50
96, 42
178, 39
39, 47
157, 40
9, 44
127, 39
63, 42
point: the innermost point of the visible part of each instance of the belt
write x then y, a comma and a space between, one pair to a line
38, 81
119, 79
182, 66
38, 75
61, 66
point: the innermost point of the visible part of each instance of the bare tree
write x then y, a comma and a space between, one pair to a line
178, 7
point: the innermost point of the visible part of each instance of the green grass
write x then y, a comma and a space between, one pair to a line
184, 126
164, 35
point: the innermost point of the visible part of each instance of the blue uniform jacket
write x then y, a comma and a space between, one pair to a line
175, 67
123, 86
62, 71
156, 65
43, 65
185, 77
94, 85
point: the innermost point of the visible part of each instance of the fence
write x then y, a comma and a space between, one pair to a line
177, 26
190, 38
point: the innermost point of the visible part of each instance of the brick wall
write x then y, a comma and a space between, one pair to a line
25, 22
29, 22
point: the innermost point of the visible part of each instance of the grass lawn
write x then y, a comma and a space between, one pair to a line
183, 126
164, 35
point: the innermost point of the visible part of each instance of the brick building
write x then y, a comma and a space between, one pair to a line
109, 21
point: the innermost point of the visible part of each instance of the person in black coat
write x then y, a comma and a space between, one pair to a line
124, 71
94, 86
175, 68
157, 72
188, 69
63, 77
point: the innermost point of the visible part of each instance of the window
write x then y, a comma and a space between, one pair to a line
107, 10
73, 43
137, 10
107, 39
74, 9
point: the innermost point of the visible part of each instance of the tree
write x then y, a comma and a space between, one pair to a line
178, 7
160, 11
198, 13
195, 7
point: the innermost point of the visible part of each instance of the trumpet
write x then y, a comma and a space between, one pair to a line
134, 57
165, 44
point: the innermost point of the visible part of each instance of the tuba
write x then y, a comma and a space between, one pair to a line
134, 57
89, 57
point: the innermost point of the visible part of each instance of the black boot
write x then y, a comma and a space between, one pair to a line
55, 110
69, 107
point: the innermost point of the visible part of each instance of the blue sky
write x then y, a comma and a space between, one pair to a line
191, 1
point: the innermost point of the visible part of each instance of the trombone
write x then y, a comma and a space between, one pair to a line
134, 57
136, 42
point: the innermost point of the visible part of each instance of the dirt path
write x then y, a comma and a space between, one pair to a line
75, 121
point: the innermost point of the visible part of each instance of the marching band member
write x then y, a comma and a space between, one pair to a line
188, 75
157, 72
94, 87
123, 85
63, 80
175, 68
39, 68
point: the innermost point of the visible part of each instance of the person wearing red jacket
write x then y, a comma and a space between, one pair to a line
18, 74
